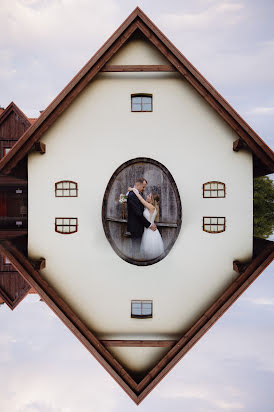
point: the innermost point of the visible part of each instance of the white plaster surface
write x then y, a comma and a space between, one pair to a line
95, 135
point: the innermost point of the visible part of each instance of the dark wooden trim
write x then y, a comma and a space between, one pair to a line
138, 20
8, 180
238, 144
13, 108
138, 391
138, 68
106, 218
13, 303
70, 319
239, 267
67, 95
38, 264
39, 147
139, 343
9, 234
160, 224
205, 322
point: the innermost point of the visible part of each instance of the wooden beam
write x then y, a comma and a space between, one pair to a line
138, 68
9, 234
203, 324
114, 219
38, 264
70, 319
239, 267
238, 144
39, 147
139, 343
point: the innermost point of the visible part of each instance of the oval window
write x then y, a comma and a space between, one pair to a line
142, 224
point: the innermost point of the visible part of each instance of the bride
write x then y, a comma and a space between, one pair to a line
152, 244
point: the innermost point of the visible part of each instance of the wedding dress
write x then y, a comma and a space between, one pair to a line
152, 244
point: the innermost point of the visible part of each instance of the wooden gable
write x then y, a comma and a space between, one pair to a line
139, 22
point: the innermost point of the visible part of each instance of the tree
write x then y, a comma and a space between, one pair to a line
263, 203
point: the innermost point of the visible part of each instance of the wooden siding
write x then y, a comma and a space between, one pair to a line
13, 206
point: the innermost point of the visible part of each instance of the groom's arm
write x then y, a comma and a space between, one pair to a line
134, 203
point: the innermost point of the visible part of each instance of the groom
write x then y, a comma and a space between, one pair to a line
136, 221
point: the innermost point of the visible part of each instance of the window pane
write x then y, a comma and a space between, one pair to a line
146, 309
59, 229
136, 99
207, 220
146, 100
73, 192
73, 221
213, 228
207, 227
221, 220
221, 193
59, 221
72, 228
65, 229
207, 186
72, 185
146, 107
59, 192
214, 193
213, 185
220, 227
65, 185
136, 308
220, 186
214, 220
136, 107
66, 192
59, 185
207, 193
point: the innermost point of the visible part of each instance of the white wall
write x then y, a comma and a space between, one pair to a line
95, 135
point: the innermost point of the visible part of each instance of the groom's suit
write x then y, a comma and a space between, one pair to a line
136, 221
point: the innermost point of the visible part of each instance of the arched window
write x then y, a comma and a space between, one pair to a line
66, 188
141, 102
213, 189
213, 224
66, 225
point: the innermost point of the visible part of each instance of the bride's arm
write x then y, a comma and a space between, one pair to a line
142, 200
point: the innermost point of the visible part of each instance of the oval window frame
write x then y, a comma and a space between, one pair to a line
104, 211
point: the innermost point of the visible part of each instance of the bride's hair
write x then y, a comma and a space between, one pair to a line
155, 201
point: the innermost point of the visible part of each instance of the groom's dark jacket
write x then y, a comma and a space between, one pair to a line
135, 221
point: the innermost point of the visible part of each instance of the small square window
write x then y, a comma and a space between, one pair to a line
141, 309
141, 103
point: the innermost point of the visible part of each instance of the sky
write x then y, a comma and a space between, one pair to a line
43, 44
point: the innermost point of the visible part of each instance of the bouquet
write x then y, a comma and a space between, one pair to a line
123, 198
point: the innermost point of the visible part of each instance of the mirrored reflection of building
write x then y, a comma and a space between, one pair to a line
137, 98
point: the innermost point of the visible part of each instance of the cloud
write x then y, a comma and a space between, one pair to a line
260, 301
264, 111
212, 18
